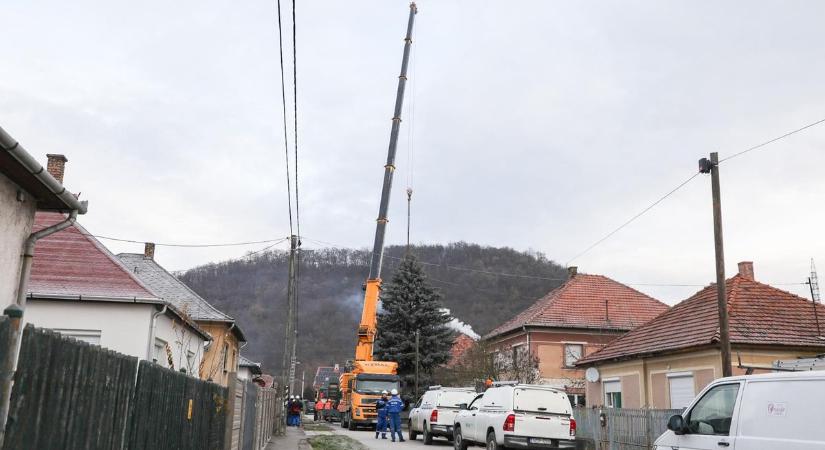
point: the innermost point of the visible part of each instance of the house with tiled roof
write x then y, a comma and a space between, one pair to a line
576, 319
25, 188
222, 354
80, 289
248, 369
665, 362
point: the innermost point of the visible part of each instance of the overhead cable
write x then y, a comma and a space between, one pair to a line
286, 128
771, 141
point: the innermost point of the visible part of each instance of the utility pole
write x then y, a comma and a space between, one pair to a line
303, 374
288, 364
417, 333
712, 166
409, 202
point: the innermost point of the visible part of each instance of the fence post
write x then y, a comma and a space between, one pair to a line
231, 386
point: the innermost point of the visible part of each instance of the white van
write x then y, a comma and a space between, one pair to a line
434, 412
517, 416
753, 412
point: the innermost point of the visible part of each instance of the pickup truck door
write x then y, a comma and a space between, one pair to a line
469, 426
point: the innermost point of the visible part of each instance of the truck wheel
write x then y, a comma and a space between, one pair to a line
426, 436
412, 433
491, 441
458, 440
351, 424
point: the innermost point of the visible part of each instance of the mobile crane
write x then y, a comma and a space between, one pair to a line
362, 383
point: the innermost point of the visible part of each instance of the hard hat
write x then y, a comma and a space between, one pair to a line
384, 392
394, 392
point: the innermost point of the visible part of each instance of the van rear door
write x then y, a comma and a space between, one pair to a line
541, 414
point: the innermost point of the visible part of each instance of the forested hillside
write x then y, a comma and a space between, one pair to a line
253, 290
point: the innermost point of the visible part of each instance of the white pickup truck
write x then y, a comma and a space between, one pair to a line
434, 412
516, 416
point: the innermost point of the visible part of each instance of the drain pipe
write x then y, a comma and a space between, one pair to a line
153, 325
15, 314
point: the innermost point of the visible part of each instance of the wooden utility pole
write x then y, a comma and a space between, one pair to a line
290, 338
712, 166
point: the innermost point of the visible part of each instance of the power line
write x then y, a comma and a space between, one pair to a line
166, 244
295, 114
283, 102
771, 141
629, 221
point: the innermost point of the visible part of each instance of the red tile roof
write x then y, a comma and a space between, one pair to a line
759, 314
71, 263
587, 301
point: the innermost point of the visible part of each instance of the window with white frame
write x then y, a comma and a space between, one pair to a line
612, 393
572, 353
90, 336
190, 361
160, 353
681, 389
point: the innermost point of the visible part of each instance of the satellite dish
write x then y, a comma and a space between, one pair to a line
592, 374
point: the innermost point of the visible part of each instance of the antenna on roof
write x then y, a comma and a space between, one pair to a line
813, 283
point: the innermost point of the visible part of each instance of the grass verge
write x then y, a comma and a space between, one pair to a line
316, 426
335, 442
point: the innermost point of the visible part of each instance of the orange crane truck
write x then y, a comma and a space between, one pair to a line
362, 383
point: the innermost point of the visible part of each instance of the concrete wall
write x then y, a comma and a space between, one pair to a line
123, 327
213, 359
16, 220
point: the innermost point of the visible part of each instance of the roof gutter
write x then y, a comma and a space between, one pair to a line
153, 324
13, 148
15, 311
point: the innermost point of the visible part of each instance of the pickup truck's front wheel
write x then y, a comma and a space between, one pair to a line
491, 441
458, 440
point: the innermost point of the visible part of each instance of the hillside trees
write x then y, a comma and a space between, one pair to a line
410, 304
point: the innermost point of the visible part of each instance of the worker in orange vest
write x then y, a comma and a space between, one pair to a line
319, 407
328, 410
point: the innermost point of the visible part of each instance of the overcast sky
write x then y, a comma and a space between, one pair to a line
537, 125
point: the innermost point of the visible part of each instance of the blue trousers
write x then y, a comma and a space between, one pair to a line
395, 426
381, 426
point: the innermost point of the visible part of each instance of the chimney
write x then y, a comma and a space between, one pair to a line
572, 271
56, 166
746, 270
149, 251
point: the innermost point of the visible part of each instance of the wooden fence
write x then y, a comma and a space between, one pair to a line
68, 394
175, 411
258, 415
622, 428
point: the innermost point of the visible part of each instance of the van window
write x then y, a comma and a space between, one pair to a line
541, 401
785, 409
713, 413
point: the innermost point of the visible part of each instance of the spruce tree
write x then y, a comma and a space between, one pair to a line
409, 303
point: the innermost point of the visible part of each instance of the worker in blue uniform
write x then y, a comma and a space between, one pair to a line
381, 408
394, 408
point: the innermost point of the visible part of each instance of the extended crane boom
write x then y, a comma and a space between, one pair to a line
367, 327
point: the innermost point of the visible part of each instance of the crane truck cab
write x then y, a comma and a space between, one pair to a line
361, 388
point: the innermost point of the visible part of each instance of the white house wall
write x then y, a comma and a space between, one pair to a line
16, 222
181, 340
123, 327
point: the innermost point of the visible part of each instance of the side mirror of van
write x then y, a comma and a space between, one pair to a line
676, 424
462, 406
